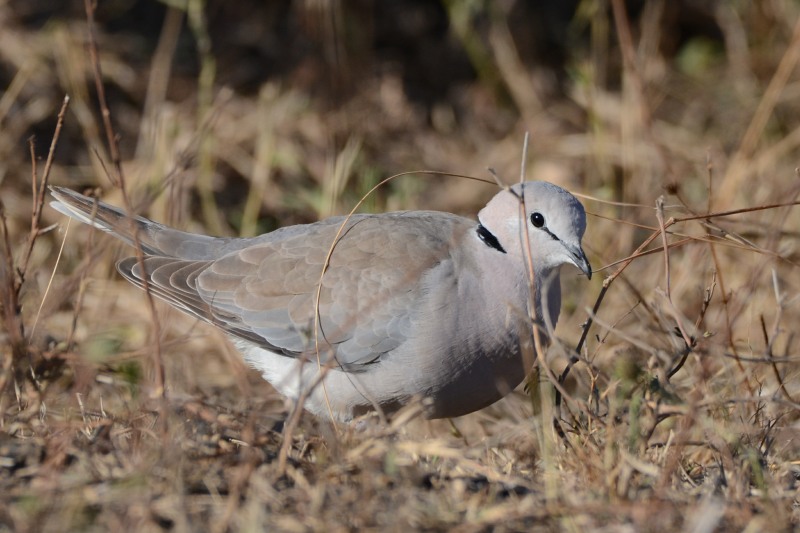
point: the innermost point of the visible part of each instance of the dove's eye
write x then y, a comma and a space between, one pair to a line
537, 220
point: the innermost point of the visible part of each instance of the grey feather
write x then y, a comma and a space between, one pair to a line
410, 304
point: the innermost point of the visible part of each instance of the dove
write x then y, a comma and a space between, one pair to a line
372, 311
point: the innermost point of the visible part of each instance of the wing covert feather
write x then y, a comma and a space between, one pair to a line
266, 292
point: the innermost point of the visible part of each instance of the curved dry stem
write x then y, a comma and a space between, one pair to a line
323, 369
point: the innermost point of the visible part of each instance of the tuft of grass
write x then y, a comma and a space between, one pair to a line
669, 396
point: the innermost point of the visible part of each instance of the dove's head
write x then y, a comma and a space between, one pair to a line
554, 224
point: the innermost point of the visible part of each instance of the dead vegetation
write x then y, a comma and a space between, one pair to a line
679, 125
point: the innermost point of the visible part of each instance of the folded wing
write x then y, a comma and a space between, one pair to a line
267, 292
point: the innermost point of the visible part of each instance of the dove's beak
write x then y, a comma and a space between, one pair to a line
580, 261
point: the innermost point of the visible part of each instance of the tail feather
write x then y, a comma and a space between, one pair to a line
109, 219
155, 239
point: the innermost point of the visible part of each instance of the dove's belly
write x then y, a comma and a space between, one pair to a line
478, 381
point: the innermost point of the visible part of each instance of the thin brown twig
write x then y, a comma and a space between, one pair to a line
737, 211
664, 243
703, 216
118, 179
770, 356
627, 48
709, 294
39, 190
105, 112
633, 74
689, 341
12, 279
10, 308
531, 277
323, 369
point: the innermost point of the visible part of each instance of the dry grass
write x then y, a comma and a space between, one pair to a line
680, 411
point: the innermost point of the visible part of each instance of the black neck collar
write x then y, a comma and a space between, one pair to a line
488, 239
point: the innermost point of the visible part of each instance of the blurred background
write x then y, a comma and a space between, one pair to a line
235, 118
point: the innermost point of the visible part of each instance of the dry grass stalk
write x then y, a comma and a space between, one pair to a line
687, 429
